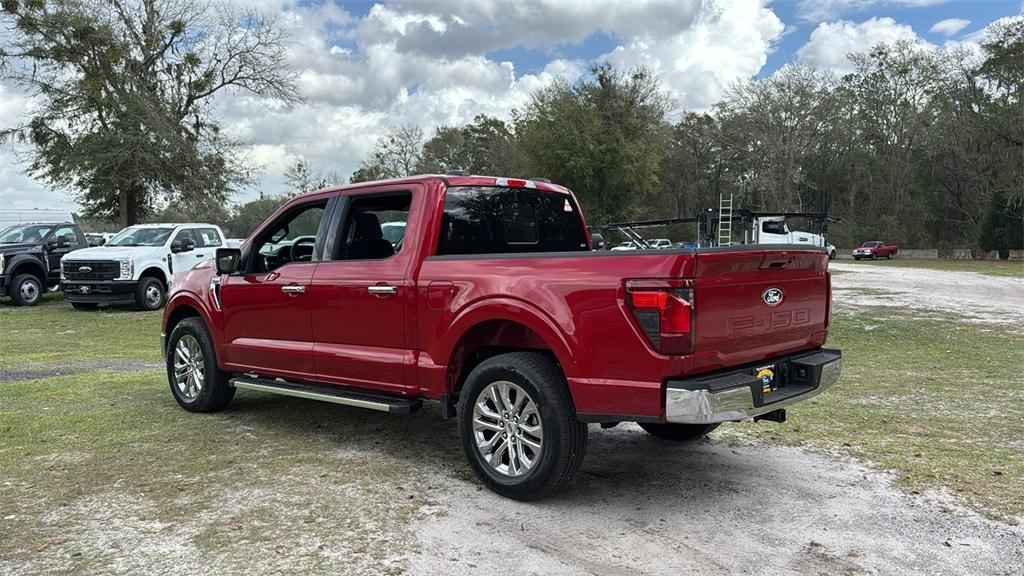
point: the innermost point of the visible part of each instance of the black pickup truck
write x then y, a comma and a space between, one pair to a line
30, 258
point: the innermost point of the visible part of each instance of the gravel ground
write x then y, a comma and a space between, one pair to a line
642, 506
975, 297
645, 506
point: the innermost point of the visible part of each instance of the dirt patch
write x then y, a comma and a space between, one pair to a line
643, 506
973, 296
27, 372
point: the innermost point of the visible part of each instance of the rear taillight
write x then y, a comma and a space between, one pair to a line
664, 311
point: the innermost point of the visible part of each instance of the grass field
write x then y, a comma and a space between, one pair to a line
88, 426
989, 267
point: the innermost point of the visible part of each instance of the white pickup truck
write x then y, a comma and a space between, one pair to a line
775, 230
136, 265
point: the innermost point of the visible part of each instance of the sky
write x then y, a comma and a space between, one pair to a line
366, 66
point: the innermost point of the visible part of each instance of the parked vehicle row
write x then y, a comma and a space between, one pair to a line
134, 265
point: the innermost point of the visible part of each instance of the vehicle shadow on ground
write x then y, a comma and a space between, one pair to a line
623, 460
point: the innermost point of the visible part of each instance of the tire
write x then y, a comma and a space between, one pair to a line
546, 407
832, 255
208, 389
26, 290
150, 294
85, 305
678, 432
889, 256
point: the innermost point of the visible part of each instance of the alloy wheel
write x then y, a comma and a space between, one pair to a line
189, 369
507, 428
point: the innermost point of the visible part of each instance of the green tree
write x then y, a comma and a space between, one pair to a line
603, 138
246, 217
125, 90
485, 146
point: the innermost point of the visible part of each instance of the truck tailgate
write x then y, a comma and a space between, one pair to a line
752, 304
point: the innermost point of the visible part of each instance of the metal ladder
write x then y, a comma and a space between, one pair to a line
724, 220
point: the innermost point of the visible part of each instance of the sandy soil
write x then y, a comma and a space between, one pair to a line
976, 297
646, 506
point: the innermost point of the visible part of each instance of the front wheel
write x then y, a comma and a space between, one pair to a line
149, 294
26, 290
518, 427
678, 432
197, 383
889, 255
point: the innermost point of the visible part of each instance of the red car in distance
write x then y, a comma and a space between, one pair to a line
875, 249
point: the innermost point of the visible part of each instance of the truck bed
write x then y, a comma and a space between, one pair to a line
579, 301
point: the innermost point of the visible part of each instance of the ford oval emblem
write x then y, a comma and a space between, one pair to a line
772, 296
84, 269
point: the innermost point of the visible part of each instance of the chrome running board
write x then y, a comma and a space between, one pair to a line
335, 395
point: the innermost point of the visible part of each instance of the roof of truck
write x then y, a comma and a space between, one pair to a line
452, 180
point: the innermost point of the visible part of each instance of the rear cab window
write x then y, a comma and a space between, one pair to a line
494, 220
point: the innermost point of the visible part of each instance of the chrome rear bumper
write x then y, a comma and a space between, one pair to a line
737, 394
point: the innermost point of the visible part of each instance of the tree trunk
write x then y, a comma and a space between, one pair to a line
129, 208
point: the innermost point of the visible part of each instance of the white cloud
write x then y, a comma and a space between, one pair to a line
425, 62
830, 42
949, 26
820, 10
726, 42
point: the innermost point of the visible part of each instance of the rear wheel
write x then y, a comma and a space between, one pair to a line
678, 432
889, 255
197, 383
84, 305
149, 294
518, 427
26, 290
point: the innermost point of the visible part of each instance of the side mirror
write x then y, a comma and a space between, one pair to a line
63, 242
597, 241
184, 245
227, 260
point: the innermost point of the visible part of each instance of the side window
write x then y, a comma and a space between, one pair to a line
185, 234
374, 226
773, 227
290, 238
68, 233
485, 220
208, 237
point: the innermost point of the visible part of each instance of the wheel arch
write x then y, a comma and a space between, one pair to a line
154, 272
187, 305
499, 325
26, 265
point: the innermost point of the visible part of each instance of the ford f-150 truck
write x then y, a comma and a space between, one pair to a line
493, 304
875, 249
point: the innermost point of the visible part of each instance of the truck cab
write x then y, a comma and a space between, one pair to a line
137, 264
30, 256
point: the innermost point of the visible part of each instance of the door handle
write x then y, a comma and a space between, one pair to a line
200, 255
293, 290
381, 291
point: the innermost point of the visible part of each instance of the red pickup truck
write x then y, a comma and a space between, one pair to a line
485, 295
874, 249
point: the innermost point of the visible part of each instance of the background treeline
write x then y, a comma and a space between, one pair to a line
918, 146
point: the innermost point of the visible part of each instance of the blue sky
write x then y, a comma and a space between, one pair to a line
364, 67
